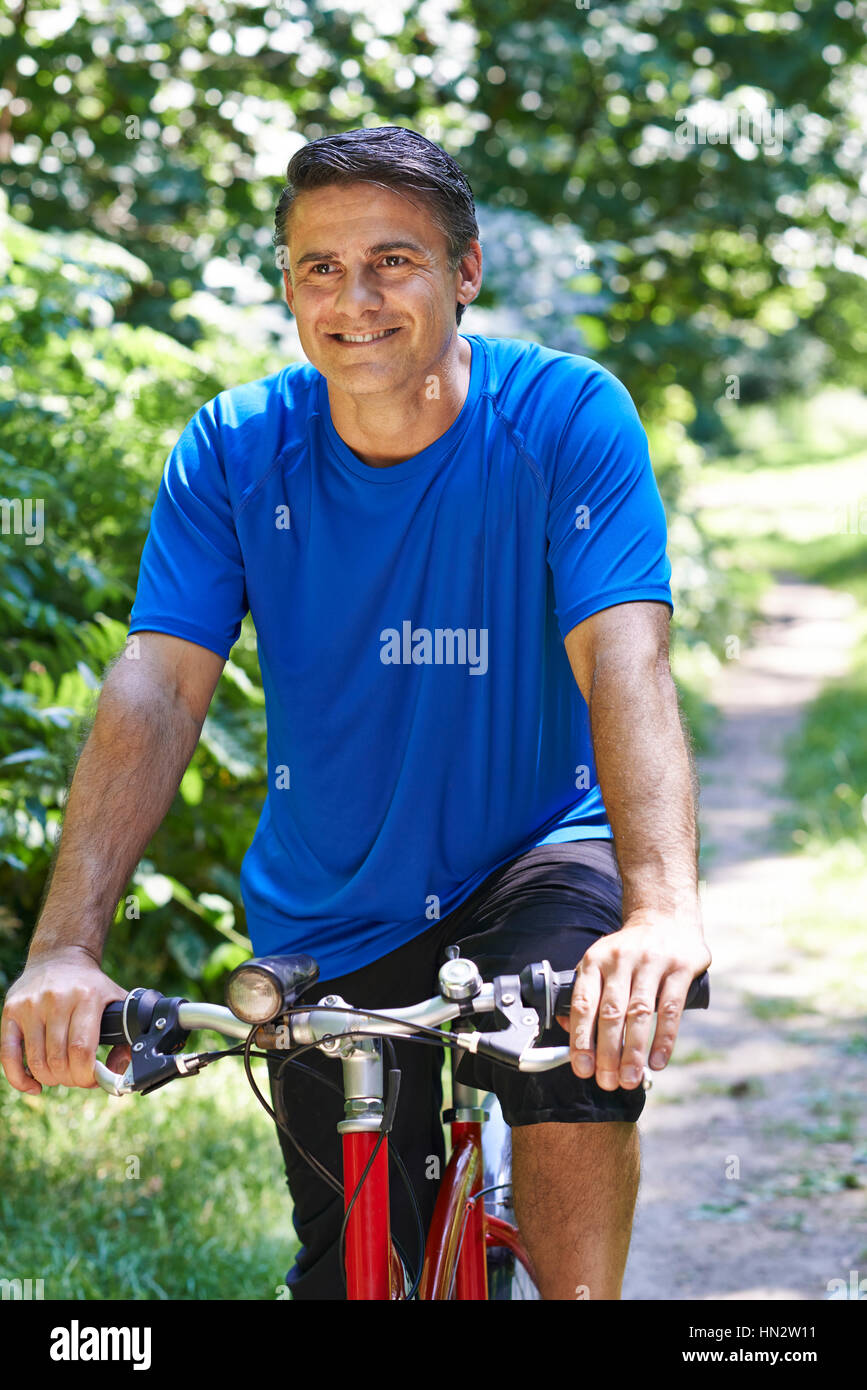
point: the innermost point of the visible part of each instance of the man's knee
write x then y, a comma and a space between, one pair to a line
587, 1138
575, 1187
575, 1165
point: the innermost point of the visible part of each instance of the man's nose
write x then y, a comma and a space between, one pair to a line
358, 291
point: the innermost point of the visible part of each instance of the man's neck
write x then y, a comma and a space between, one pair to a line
387, 428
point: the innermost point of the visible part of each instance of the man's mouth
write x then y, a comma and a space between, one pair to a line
363, 337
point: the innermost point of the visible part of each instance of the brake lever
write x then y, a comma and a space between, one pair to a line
147, 1070
512, 1043
154, 1059
111, 1081
154, 1070
515, 1043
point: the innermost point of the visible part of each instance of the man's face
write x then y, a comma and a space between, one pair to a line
364, 259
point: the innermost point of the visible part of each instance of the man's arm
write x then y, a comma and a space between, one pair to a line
619, 657
147, 725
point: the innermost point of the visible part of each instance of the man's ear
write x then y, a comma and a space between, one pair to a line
288, 292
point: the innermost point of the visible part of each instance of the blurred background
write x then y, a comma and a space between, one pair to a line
676, 190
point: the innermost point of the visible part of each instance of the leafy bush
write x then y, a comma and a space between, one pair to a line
88, 410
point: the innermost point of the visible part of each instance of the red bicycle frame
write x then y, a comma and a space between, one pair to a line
369, 1251
461, 1231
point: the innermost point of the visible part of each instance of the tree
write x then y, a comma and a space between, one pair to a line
166, 126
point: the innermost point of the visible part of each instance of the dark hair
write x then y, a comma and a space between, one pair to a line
394, 157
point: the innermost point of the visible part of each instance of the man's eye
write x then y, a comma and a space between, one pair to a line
395, 258
320, 264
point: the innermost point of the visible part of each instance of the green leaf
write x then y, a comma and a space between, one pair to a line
223, 959
156, 888
218, 907
192, 786
224, 744
36, 809
87, 675
189, 950
255, 694
25, 755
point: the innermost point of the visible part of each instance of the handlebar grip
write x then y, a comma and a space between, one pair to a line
111, 1028
698, 995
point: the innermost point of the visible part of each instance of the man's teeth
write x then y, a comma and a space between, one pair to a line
363, 337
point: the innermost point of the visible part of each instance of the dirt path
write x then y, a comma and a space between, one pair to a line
751, 1187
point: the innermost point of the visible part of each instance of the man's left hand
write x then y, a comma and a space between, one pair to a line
622, 979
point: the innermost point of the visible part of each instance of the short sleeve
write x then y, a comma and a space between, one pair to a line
606, 522
191, 580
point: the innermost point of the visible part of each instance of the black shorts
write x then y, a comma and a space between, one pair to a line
550, 903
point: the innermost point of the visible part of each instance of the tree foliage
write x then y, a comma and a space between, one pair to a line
164, 125
88, 410
144, 146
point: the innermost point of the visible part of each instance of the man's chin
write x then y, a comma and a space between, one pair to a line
359, 388
362, 378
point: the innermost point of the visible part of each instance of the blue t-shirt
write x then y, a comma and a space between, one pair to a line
423, 722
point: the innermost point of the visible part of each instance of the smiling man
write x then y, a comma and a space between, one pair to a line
453, 549
382, 332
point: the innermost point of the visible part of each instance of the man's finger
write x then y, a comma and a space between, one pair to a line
56, 1039
119, 1058
34, 1050
582, 1017
669, 1008
609, 1028
12, 1058
83, 1040
639, 1025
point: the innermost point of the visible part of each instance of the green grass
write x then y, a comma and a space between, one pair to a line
738, 1209
783, 433
827, 925
800, 510
813, 1182
827, 759
698, 1054
208, 1215
790, 1221
768, 1009
750, 1087
845, 1130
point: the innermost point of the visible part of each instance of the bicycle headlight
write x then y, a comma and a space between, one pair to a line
260, 989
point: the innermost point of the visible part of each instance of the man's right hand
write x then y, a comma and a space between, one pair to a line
53, 1011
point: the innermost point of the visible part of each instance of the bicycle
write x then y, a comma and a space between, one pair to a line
473, 1249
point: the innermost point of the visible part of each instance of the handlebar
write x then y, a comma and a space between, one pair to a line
550, 991
111, 1029
157, 1027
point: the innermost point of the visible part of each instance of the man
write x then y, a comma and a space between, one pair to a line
453, 549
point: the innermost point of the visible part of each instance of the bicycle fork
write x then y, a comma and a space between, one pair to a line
455, 1255
373, 1270
455, 1264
